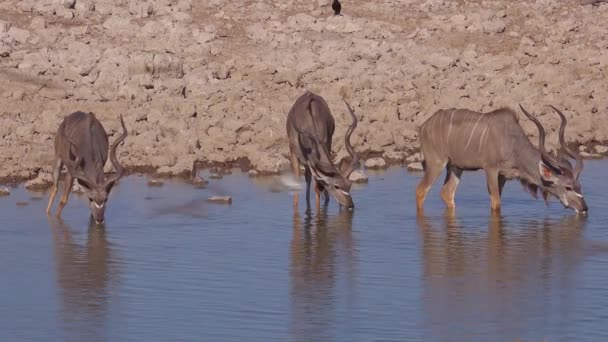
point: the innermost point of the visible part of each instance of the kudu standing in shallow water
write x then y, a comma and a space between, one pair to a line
81, 144
460, 139
310, 128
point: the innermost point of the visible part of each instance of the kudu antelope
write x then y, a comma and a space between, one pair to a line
81, 144
460, 139
310, 128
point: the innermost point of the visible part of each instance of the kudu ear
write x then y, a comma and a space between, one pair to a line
84, 183
109, 186
547, 173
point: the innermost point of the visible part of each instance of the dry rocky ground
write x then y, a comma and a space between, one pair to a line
213, 80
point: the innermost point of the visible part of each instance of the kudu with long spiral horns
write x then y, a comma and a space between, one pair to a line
81, 144
461, 139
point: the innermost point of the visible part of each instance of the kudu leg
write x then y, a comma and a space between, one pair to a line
318, 190
56, 173
69, 181
452, 178
308, 177
494, 188
431, 172
295, 168
501, 183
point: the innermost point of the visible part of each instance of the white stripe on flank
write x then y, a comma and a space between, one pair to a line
430, 123
441, 135
451, 120
447, 140
484, 131
473, 131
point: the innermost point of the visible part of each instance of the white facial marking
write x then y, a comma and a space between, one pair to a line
344, 192
98, 206
577, 194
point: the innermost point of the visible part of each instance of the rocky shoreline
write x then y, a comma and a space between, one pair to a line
213, 81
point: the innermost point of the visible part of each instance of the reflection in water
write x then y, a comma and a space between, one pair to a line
480, 278
84, 275
321, 245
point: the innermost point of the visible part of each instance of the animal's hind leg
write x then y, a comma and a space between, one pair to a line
56, 172
501, 183
452, 178
494, 188
432, 170
295, 168
69, 181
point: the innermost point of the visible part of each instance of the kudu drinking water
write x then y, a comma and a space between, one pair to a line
310, 128
460, 139
81, 144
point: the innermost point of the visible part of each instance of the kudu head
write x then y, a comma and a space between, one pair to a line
336, 179
557, 175
96, 191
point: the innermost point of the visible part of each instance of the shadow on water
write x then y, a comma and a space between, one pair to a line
486, 273
85, 275
318, 241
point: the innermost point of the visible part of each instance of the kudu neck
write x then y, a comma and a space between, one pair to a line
529, 157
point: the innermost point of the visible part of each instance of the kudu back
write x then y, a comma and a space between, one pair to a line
461, 139
310, 128
81, 144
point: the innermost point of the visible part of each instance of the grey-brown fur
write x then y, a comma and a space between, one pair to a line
310, 128
81, 144
461, 139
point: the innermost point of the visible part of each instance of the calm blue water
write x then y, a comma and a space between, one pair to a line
170, 267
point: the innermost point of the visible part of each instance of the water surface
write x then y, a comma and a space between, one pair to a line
168, 266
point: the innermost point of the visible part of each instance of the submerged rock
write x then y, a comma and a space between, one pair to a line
155, 183
358, 177
375, 163
220, 199
199, 182
22, 203
216, 176
4, 191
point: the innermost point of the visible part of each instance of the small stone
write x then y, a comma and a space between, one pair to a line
68, 3
38, 23
416, 166
4, 191
253, 173
414, 157
199, 182
358, 177
22, 203
375, 163
155, 183
590, 155
601, 149
494, 26
220, 199
85, 6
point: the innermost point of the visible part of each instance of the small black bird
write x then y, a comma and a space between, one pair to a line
336, 6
